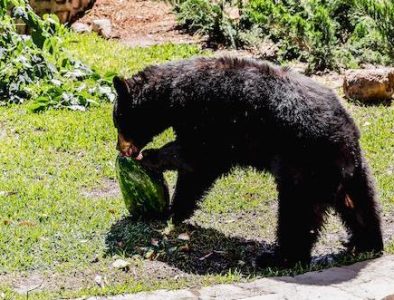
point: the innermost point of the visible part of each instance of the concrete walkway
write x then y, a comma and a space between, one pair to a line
372, 279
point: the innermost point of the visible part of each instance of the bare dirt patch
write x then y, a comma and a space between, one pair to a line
139, 23
108, 189
218, 243
39, 281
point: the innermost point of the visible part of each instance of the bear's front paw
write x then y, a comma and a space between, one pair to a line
151, 160
177, 218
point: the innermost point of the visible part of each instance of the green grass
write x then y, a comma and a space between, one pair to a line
377, 126
112, 56
50, 159
60, 220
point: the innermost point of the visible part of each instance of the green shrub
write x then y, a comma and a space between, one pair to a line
207, 18
366, 44
321, 38
325, 34
382, 12
37, 66
197, 16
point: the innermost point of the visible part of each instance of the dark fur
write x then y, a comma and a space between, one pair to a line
229, 111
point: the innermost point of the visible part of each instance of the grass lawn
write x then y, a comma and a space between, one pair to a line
63, 222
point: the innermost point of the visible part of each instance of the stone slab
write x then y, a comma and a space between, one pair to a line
372, 279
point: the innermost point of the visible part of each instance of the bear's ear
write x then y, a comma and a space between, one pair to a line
121, 86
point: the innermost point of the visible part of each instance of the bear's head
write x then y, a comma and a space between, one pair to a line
126, 119
136, 115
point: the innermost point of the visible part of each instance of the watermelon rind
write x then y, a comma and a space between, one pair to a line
145, 193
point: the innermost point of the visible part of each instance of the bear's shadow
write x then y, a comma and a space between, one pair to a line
371, 103
208, 251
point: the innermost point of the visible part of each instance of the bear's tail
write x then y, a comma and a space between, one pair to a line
359, 209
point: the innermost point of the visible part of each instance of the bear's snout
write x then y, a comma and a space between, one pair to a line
127, 148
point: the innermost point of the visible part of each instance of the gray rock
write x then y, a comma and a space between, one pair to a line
224, 291
81, 27
103, 27
100, 281
121, 264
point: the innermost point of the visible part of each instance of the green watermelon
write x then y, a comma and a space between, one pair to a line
145, 193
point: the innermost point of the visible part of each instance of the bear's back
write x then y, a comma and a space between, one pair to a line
228, 86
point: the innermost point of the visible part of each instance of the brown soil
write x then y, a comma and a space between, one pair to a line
210, 251
108, 189
139, 23
70, 280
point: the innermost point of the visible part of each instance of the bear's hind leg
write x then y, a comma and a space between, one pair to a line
356, 203
305, 194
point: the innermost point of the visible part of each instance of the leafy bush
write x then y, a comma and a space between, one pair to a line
322, 39
382, 12
325, 34
197, 15
302, 30
37, 67
207, 18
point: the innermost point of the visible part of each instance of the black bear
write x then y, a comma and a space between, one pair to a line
228, 111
